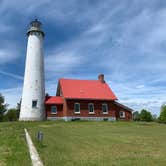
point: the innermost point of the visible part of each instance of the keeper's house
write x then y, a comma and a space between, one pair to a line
85, 100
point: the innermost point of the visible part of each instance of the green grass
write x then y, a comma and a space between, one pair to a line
86, 143
13, 148
102, 143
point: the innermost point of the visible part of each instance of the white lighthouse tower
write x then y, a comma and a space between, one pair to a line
32, 105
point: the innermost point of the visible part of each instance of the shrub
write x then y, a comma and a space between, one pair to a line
146, 116
162, 117
2, 107
11, 115
136, 116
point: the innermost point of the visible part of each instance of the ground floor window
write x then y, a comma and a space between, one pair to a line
54, 109
76, 108
122, 114
105, 108
91, 108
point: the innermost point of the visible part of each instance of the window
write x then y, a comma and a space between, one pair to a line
53, 109
34, 103
105, 108
122, 114
91, 108
77, 108
61, 93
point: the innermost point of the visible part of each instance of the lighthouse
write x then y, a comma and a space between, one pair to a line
33, 96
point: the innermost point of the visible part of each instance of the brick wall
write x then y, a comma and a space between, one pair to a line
128, 114
84, 112
59, 111
67, 109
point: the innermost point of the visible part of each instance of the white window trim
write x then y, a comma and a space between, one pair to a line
106, 107
56, 109
123, 114
79, 108
93, 109
91, 112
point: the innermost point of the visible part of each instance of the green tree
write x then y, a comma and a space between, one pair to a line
162, 117
145, 115
136, 116
11, 115
3, 107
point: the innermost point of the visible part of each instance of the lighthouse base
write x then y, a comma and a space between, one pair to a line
30, 119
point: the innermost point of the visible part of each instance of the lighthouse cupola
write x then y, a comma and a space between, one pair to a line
35, 26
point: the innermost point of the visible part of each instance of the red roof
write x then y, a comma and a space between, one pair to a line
86, 89
54, 100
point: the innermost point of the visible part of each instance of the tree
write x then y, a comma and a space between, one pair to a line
154, 116
162, 117
11, 115
136, 116
3, 107
145, 115
18, 108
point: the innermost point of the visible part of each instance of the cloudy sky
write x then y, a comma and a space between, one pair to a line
124, 39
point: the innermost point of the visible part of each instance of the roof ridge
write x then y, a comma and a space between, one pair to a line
77, 79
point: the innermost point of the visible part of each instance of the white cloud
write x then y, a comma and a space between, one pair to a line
62, 62
139, 96
140, 86
9, 52
5, 56
11, 75
12, 96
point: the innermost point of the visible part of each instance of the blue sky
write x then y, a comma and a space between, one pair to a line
125, 40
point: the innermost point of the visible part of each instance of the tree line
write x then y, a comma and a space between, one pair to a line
8, 114
144, 115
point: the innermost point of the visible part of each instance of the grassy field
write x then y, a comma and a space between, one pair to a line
86, 143
13, 148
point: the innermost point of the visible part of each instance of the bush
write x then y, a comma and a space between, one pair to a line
11, 115
146, 116
162, 117
136, 116
2, 107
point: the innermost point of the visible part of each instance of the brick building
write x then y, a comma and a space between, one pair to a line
85, 100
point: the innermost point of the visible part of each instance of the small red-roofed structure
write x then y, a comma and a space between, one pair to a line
85, 100
54, 100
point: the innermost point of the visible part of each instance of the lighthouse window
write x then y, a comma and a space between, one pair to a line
34, 103
53, 109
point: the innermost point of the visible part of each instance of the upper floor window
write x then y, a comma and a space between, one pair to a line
105, 108
91, 108
54, 109
34, 103
77, 108
122, 114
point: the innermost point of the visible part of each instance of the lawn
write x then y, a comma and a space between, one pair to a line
86, 143
102, 143
13, 148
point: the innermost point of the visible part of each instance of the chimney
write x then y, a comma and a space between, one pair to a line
101, 78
